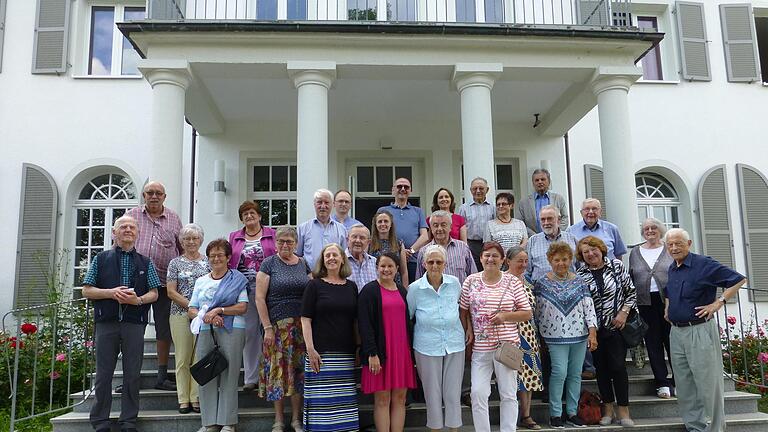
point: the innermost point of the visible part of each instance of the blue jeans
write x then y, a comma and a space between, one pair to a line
566, 372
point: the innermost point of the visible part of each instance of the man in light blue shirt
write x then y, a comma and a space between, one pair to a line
477, 213
342, 203
591, 211
363, 265
320, 230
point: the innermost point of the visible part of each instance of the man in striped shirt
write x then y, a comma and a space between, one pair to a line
477, 214
459, 261
538, 244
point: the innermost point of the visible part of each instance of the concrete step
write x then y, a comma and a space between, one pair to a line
149, 377
260, 419
150, 361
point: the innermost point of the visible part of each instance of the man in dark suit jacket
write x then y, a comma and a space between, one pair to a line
528, 207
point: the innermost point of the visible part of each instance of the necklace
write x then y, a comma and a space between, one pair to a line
560, 278
505, 221
254, 234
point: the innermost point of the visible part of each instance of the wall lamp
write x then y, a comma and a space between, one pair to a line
219, 189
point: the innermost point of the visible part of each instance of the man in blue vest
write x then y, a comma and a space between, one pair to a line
122, 283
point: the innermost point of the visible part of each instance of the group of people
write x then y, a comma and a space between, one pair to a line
301, 309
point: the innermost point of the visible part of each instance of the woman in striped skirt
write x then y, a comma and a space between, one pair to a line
329, 311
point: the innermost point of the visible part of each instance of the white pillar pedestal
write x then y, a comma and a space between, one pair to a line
612, 90
312, 80
169, 80
474, 83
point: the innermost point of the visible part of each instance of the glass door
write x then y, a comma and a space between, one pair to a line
371, 186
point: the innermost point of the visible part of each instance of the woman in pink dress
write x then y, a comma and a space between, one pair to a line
386, 333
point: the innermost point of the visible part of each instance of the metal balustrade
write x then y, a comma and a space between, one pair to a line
596, 13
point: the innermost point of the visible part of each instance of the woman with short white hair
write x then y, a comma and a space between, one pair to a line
438, 339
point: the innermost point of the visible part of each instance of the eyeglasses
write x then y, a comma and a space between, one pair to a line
216, 256
403, 187
502, 204
285, 242
435, 262
590, 209
154, 193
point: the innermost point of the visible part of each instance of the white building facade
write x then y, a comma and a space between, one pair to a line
283, 97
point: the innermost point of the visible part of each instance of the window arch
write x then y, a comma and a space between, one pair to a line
99, 202
656, 197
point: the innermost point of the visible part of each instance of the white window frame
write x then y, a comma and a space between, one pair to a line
667, 47
667, 202
117, 37
108, 205
272, 196
416, 192
511, 161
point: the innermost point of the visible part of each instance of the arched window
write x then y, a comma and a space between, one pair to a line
657, 198
102, 200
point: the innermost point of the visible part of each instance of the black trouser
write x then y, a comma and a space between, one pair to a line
476, 247
112, 338
657, 339
610, 362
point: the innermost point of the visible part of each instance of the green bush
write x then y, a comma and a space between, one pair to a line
745, 357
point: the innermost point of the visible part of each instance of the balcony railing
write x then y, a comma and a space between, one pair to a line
599, 13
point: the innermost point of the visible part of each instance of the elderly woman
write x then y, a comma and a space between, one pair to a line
614, 298
183, 271
567, 323
279, 290
328, 314
221, 298
386, 334
491, 304
648, 266
529, 377
504, 229
438, 339
251, 245
443, 200
385, 240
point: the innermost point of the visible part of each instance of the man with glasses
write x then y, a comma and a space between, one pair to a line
342, 203
591, 224
158, 239
410, 223
363, 265
477, 214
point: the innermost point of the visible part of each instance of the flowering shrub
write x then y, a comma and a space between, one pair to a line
745, 354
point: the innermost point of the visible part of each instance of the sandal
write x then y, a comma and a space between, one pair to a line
297, 426
185, 408
529, 423
663, 392
196, 407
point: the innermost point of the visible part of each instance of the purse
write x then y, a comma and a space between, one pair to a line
508, 353
211, 365
634, 329
589, 407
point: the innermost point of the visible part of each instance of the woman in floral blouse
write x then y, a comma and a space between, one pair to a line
183, 271
567, 323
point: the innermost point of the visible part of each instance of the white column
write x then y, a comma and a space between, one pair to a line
169, 80
474, 83
312, 80
612, 90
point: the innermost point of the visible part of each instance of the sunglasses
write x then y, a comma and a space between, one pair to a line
403, 187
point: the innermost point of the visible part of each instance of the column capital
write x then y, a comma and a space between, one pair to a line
476, 74
612, 78
174, 72
312, 72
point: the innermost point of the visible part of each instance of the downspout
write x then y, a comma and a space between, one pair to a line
192, 173
568, 175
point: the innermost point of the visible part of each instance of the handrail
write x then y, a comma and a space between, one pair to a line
744, 341
50, 345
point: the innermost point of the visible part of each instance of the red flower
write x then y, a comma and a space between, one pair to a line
28, 328
12, 343
731, 320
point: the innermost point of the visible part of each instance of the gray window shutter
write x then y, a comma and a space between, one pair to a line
2, 30
715, 217
595, 186
35, 253
594, 12
51, 36
692, 37
741, 58
753, 195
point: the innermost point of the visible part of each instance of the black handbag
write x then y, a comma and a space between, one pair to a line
634, 329
211, 365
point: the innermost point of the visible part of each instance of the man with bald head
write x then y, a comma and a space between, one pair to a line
158, 239
696, 354
592, 224
363, 265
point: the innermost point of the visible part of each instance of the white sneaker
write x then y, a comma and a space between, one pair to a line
297, 426
228, 428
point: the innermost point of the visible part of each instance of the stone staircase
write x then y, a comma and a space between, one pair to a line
159, 408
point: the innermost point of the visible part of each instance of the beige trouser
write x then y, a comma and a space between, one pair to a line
183, 340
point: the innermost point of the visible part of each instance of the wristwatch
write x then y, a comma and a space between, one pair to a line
723, 299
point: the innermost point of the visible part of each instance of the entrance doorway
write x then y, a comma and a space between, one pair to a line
371, 186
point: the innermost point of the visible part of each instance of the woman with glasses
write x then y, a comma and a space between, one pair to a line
505, 229
279, 291
251, 245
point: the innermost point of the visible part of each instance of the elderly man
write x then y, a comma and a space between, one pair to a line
342, 203
538, 244
122, 283
691, 303
477, 214
529, 208
158, 239
410, 224
320, 230
459, 261
363, 265
591, 212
